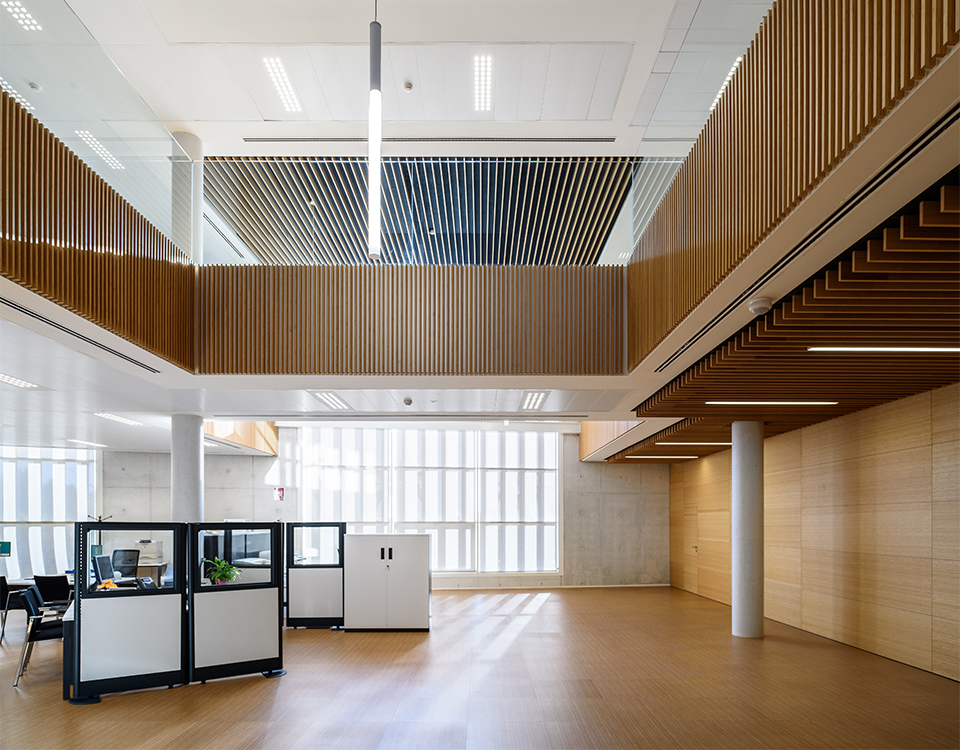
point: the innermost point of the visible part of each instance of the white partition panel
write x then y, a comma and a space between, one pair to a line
315, 592
129, 635
236, 625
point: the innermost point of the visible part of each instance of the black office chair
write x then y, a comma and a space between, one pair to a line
55, 591
125, 562
10, 600
38, 629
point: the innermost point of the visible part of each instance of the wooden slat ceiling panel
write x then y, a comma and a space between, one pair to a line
456, 211
902, 290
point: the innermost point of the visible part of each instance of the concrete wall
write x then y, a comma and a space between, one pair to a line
136, 486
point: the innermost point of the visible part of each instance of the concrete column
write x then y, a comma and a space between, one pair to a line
746, 522
186, 469
187, 200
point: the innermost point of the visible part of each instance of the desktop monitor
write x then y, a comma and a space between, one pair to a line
103, 568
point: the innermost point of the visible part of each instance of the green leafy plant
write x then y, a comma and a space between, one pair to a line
220, 571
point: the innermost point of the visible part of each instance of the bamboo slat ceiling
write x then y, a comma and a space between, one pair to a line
899, 288
457, 211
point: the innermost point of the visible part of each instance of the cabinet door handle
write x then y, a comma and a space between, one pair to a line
391, 553
381, 553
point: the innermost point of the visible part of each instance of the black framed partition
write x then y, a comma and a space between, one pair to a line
315, 574
127, 632
235, 627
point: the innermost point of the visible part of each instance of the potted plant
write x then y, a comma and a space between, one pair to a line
220, 571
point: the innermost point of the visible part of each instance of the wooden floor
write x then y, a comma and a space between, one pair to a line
574, 668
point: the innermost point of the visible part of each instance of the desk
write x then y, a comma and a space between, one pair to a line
156, 572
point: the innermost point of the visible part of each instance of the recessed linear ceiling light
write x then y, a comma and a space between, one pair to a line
888, 349
121, 420
655, 458
17, 382
278, 74
332, 400
93, 143
694, 443
16, 95
20, 13
771, 403
533, 400
482, 82
208, 444
726, 82
84, 442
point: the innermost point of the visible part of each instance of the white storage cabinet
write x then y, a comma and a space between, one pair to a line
386, 582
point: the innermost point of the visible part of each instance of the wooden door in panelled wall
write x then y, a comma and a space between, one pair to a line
430, 320
67, 235
817, 78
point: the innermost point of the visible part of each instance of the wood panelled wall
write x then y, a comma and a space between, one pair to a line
861, 524
595, 435
261, 436
434, 320
66, 234
819, 76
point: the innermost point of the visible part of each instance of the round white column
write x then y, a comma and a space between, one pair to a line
186, 469
746, 522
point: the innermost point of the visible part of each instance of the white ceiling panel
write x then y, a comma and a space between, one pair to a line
609, 81
353, 68
458, 77
332, 88
507, 75
432, 79
536, 59
303, 77
234, 92
400, 67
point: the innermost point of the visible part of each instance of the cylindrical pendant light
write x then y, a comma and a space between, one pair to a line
373, 142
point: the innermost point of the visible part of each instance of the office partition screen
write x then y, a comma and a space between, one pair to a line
488, 498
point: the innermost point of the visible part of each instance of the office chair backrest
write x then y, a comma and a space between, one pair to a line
33, 603
53, 588
125, 561
4, 591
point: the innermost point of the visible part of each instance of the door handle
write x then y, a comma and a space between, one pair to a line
390, 555
381, 553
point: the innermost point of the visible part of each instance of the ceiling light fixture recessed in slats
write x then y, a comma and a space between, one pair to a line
660, 458
533, 400
331, 400
694, 443
16, 95
771, 403
887, 349
726, 82
85, 442
23, 17
9, 380
482, 82
121, 420
112, 161
278, 74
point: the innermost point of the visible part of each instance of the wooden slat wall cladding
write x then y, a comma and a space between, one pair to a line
66, 234
901, 289
423, 320
819, 76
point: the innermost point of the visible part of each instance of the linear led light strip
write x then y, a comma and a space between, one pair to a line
332, 400
726, 82
15, 94
93, 143
22, 15
533, 400
278, 74
771, 403
121, 420
661, 457
84, 442
482, 82
694, 443
890, 349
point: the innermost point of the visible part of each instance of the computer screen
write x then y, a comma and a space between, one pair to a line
103, 568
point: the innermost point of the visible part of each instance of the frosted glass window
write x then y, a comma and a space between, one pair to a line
489, 499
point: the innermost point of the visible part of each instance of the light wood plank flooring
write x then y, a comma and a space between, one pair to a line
572, 668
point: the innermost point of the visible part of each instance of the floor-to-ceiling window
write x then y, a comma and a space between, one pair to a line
489, 499
44, 491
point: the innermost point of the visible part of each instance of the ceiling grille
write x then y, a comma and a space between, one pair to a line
451, 211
